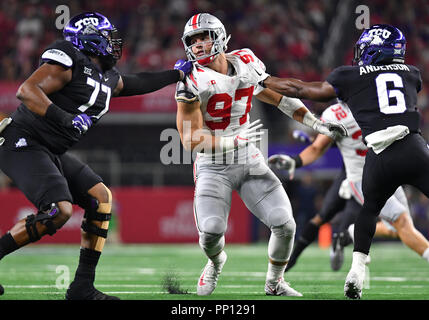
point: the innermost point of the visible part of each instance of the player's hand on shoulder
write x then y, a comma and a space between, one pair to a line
184, 66
283, 162
82, 122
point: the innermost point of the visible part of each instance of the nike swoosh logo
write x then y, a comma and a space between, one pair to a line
201, 282
259, 74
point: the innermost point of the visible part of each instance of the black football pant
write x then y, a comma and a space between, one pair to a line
406, 161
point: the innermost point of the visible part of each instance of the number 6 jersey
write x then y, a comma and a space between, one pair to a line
225, 99
89, 91
380, 96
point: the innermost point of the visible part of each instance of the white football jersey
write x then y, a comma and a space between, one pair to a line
225, 99
352, 147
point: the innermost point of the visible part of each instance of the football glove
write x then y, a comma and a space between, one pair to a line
283, 162
82, 122
185, 66
248, 135
330, 129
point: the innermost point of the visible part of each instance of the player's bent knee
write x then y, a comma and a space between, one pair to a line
286, 230
53, 218
213, 225
97, 211
403, 223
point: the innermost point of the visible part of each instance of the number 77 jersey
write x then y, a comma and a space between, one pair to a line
225, 99
379, 96
89, 91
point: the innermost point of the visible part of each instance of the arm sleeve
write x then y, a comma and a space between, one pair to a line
338, 78
145, 82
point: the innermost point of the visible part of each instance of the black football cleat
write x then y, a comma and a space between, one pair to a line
76, 292
339, 241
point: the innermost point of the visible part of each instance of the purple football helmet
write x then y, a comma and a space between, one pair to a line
93, 33
382, 43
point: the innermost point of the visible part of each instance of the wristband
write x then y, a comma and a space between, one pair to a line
58, 115
298, 161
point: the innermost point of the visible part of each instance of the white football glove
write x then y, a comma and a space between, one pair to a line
248, 135
283, 162
330, 129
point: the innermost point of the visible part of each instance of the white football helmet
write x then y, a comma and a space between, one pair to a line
205, 22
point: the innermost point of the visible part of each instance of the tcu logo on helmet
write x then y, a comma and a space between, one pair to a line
86, 21
380, 32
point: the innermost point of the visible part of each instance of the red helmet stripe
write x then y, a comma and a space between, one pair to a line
195, 21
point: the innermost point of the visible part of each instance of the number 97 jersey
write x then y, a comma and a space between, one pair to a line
225, 99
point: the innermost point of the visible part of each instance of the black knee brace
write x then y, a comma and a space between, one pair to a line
92, 213
44, 217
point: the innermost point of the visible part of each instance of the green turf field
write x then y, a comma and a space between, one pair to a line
136, 272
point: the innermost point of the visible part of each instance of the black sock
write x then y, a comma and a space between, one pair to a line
88, 261
7, 245
364, 231
308, 235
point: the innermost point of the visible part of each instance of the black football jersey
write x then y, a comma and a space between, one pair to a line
379, 96
89, 91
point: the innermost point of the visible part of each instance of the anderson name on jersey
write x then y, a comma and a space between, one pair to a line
225, 99
89, 91
351, 147
379, 96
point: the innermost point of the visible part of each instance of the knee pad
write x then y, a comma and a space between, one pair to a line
96, 211
211, 243
46, 218
286, 230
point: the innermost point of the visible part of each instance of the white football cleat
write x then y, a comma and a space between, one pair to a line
281, 288
354, 284
208, 279
368, 260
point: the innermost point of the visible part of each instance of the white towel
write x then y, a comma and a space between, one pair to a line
381, 139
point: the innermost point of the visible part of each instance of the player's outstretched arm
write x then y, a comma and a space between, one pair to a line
317, 91
146, 82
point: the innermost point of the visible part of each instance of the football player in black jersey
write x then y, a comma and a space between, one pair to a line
381, 91
61, 100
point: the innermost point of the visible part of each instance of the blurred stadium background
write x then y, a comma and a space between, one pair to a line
302, 39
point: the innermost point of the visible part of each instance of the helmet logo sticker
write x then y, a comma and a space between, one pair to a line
86, 21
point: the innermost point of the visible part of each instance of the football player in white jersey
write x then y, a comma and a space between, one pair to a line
212, 119
395, 213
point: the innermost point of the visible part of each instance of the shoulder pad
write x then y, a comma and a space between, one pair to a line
61, 52
186, 91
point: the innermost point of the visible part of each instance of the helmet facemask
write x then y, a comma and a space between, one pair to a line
217, 38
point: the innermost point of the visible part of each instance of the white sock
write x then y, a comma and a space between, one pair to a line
351, 230
275, 272
425, 254
359, 260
